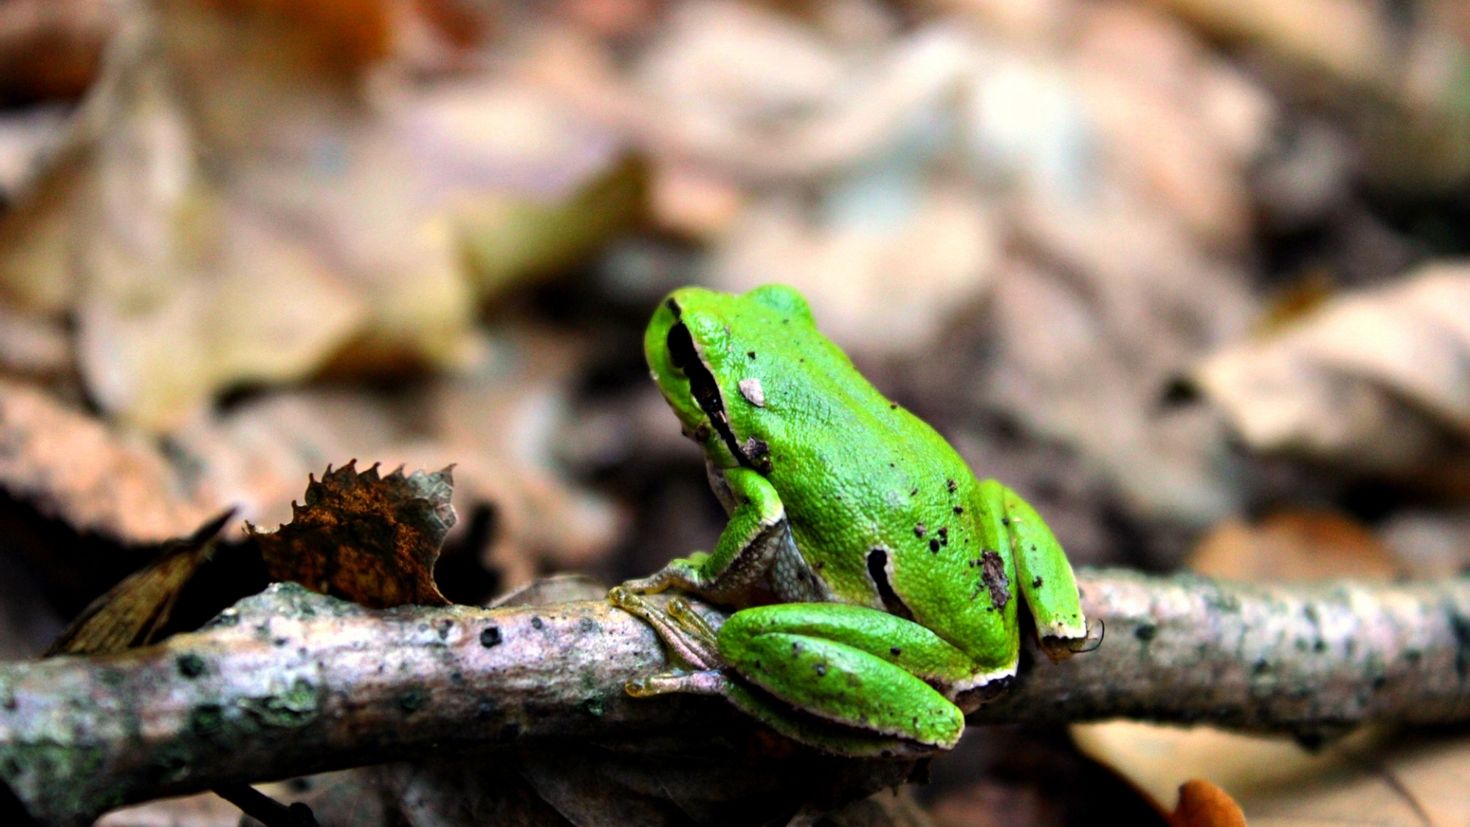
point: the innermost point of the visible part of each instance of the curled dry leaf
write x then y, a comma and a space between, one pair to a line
133, 611
373, 540
1375, 381
1202, 804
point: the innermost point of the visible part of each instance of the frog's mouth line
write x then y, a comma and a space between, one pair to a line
685, 357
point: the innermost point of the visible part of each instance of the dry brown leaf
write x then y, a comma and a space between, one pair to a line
187, 276
506, 239
1155, 94
236, 203
506, 434
504, 425
33, 347
1362, 779
1344, 39
51, 50
880, 286
1293, 545
1374, 381
1202, 804
203, 810
97, 479
370, 539
132, 612
1085, 364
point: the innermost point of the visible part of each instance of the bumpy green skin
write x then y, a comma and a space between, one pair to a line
898, 572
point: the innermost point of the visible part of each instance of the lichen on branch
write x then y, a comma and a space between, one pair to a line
289, 682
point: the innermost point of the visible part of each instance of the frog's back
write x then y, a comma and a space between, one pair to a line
882, 508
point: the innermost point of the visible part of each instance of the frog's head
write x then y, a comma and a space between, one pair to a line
700, 346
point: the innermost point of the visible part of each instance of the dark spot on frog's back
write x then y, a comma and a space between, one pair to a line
758, 451
878, 571
993, 574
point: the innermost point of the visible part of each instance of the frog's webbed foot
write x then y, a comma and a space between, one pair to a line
682, 574
686, 634
702, 682
1061, 648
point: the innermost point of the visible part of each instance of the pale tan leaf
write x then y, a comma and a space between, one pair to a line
1378, 380
240, 200
95, 478
1362, 779
1293, 545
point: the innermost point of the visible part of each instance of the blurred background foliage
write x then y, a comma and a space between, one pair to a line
1189, 274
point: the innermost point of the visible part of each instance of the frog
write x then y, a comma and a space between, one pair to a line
875, 580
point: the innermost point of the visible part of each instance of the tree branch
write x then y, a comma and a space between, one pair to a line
289, 682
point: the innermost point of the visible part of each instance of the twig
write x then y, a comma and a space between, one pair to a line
290, 683
265, 809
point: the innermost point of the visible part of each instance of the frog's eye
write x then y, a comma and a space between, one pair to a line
702, 384
706, 391
681, 347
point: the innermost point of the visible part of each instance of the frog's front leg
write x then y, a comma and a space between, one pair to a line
753, 540
1047, 584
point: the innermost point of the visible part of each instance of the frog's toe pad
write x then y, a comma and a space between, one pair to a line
1061, 647
623, 597
644, 585
700, 682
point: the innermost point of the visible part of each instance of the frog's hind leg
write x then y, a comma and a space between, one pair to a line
781, 717
697, 644
851, 665
1046, 581
816, 732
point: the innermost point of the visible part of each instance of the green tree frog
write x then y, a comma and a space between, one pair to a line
876, 579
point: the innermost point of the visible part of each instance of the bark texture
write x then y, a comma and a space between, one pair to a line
289, 682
